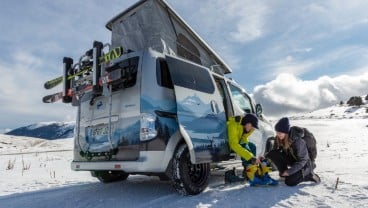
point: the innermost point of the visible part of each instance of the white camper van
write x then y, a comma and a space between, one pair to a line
155, 101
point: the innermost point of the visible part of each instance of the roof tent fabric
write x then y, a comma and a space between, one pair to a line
153, 24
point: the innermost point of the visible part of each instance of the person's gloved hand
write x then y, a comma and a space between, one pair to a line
255, 161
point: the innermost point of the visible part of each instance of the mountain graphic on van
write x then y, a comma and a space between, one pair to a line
150, 104
193, 104
211, 123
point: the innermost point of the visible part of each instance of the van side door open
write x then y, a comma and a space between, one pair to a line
200, 111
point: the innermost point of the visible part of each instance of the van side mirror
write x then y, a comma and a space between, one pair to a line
259, 109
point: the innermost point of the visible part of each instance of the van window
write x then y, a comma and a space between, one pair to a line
190, 75
162, 74
124, 73
187, 49
241, 99
221, 86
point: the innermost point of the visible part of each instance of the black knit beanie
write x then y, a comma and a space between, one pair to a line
250, 118
283, 125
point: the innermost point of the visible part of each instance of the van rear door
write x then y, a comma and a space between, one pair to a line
200, 110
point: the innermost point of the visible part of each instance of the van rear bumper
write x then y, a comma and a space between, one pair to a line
149, 161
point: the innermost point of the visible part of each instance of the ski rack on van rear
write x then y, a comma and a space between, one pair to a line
90, 75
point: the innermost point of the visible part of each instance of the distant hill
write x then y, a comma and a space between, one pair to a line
46, 130
338, 111
59, 130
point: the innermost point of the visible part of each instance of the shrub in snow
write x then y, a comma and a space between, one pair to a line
366, 97
341, 102
355, 101
10, 165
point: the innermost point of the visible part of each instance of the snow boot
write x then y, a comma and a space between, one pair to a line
314, 178
231, 177
256, 181
265, 180
270, 181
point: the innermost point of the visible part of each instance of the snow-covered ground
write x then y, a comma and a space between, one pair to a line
49, 182
338, 111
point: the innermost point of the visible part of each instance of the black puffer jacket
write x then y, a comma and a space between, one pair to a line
298, 152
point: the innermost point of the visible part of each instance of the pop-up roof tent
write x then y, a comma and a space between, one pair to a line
154, 24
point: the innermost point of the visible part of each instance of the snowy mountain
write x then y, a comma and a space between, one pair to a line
3, 131
46, 130
338, 111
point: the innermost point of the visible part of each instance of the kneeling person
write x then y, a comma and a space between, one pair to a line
239, 131
291, 154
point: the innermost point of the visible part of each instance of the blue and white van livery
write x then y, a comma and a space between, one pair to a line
155, 103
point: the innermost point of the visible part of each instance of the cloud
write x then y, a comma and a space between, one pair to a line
249, 19
292, 66
336, 61
34, 42
226, 25
22, 90
239, 21
288, 94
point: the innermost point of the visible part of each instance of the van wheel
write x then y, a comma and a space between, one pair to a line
110, 176
188, 178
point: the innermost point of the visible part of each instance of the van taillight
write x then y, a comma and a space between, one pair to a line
148, 128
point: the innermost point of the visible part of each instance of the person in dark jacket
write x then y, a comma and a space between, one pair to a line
290, 154
255, 170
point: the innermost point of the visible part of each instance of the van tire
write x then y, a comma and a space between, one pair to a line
110, 176
188, 178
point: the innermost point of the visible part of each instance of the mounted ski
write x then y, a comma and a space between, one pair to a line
55, 82
59, 95
110, 77
53, 98
113, 54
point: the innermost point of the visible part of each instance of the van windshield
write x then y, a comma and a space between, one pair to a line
241, 99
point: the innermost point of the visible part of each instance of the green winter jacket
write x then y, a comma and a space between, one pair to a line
236, 137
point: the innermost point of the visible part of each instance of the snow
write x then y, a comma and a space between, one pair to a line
49, 182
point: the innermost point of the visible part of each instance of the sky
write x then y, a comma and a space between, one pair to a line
292, 56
